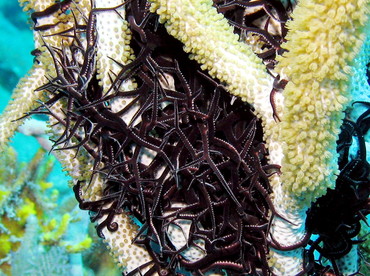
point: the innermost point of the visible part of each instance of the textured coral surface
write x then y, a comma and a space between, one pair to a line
200, 135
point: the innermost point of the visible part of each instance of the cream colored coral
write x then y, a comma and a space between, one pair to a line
25, 94
128, 255
324, 38
79, 166
23, 100
36, 5
210, 40
113, 42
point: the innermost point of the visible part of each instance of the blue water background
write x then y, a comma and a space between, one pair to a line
16, 44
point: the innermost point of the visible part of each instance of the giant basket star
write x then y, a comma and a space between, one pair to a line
194, 153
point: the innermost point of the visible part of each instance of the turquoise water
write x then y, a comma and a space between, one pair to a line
16, 44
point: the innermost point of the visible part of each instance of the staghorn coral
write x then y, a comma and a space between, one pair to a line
143, 127
317, 65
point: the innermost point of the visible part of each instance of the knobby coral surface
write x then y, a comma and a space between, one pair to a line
171, 119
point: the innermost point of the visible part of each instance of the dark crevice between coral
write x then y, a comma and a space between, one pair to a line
335, 217
190, 151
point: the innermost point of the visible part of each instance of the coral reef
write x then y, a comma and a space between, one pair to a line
201, 134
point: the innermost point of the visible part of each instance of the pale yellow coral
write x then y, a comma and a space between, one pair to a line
54, 232
79, 247
323, 39
209, 38
23, 100
128, 255
26, 93
78, 163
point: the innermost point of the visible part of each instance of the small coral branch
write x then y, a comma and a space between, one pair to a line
322, 42
23, 100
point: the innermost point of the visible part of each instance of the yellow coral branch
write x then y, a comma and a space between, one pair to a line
209, 38
324, 37
23, 100
113, 43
